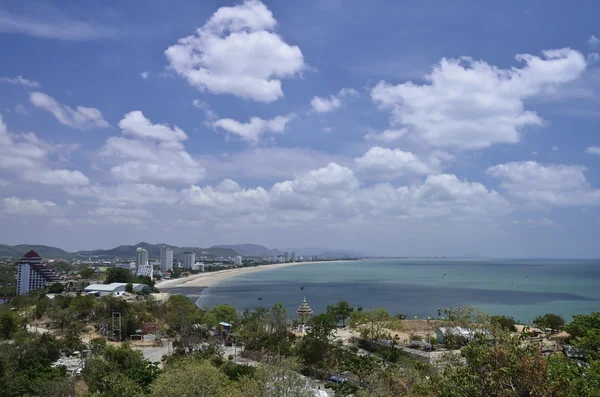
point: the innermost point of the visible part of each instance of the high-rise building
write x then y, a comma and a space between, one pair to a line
166, 258
286, 256
293, 257
237, 261
141, 258
189, 258
33, 274
145, 270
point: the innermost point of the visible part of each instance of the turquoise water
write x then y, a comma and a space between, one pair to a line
418, 287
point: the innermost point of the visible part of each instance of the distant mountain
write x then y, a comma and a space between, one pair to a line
44, 251
250, 250
129, 251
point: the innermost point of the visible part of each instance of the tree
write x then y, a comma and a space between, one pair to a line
190, 377
549, 320
504, 322
280, 380
9, 324
371, 323
340, 312
315, 347
56, 288
118, 275
86, 272
129, 288
225, 313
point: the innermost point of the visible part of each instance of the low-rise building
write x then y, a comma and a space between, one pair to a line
114, 289
77, 285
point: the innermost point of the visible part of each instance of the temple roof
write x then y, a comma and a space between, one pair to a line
304, 307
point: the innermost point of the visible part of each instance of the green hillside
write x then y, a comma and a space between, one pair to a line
44, 251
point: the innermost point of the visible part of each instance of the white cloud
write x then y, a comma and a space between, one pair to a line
236, 52
593, 41
391, 163
546, 185
56, 177
53, 25
17, 206
20, 80
20, 109
593, 150
252, 130
137, 125
593, 57
154, 156
81, 118
127, 194
209, 114
387, 135
469, 104
327, 129
555, 148
26, 155
144, 75
324, 105
535, 222
4, 183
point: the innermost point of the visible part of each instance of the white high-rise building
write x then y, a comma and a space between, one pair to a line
293, 257
145, 270
237, 261
141, 258
33, 274
166, 258
189, 259
286, 256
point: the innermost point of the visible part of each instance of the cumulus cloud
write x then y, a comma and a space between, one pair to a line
126, 194
469, 104
593, 150
209, 114
155, 155
594, 42
17, 206
144, 75
237, 52
21, 81
386, 136
252, 130
593, 57
81, 118
541, 185
26, 155
391, 163
324, 105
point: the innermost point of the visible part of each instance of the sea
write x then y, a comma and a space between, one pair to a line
520, 288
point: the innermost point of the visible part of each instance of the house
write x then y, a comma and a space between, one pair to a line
100, 270
5, 299
77, 286
442, 333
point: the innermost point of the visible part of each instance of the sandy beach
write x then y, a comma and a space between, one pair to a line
212, 278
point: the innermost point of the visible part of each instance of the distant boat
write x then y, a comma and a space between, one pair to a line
259, 299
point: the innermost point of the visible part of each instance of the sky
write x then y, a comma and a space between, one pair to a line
399, 128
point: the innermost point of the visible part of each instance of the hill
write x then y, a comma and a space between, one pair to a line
250, 250
44, 251
128, 251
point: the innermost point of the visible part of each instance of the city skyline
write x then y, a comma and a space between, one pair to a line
415, 130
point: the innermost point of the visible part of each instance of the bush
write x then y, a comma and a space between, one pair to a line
433, 340
549, 320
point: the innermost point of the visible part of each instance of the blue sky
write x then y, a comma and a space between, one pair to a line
397, 128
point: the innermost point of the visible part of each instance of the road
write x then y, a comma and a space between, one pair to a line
155, 353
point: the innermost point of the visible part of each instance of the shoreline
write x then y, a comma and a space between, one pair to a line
211, 279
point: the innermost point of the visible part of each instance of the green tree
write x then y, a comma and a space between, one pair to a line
129, 288
86, 272
549, 320
118, 275
340, 312
56, 288
316, 346
190, 377
9, 324
504, 322
225, 313
372, 323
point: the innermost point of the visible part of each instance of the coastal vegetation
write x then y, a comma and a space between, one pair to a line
367, 357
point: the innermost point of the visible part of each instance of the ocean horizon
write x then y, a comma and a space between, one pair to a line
520, 288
